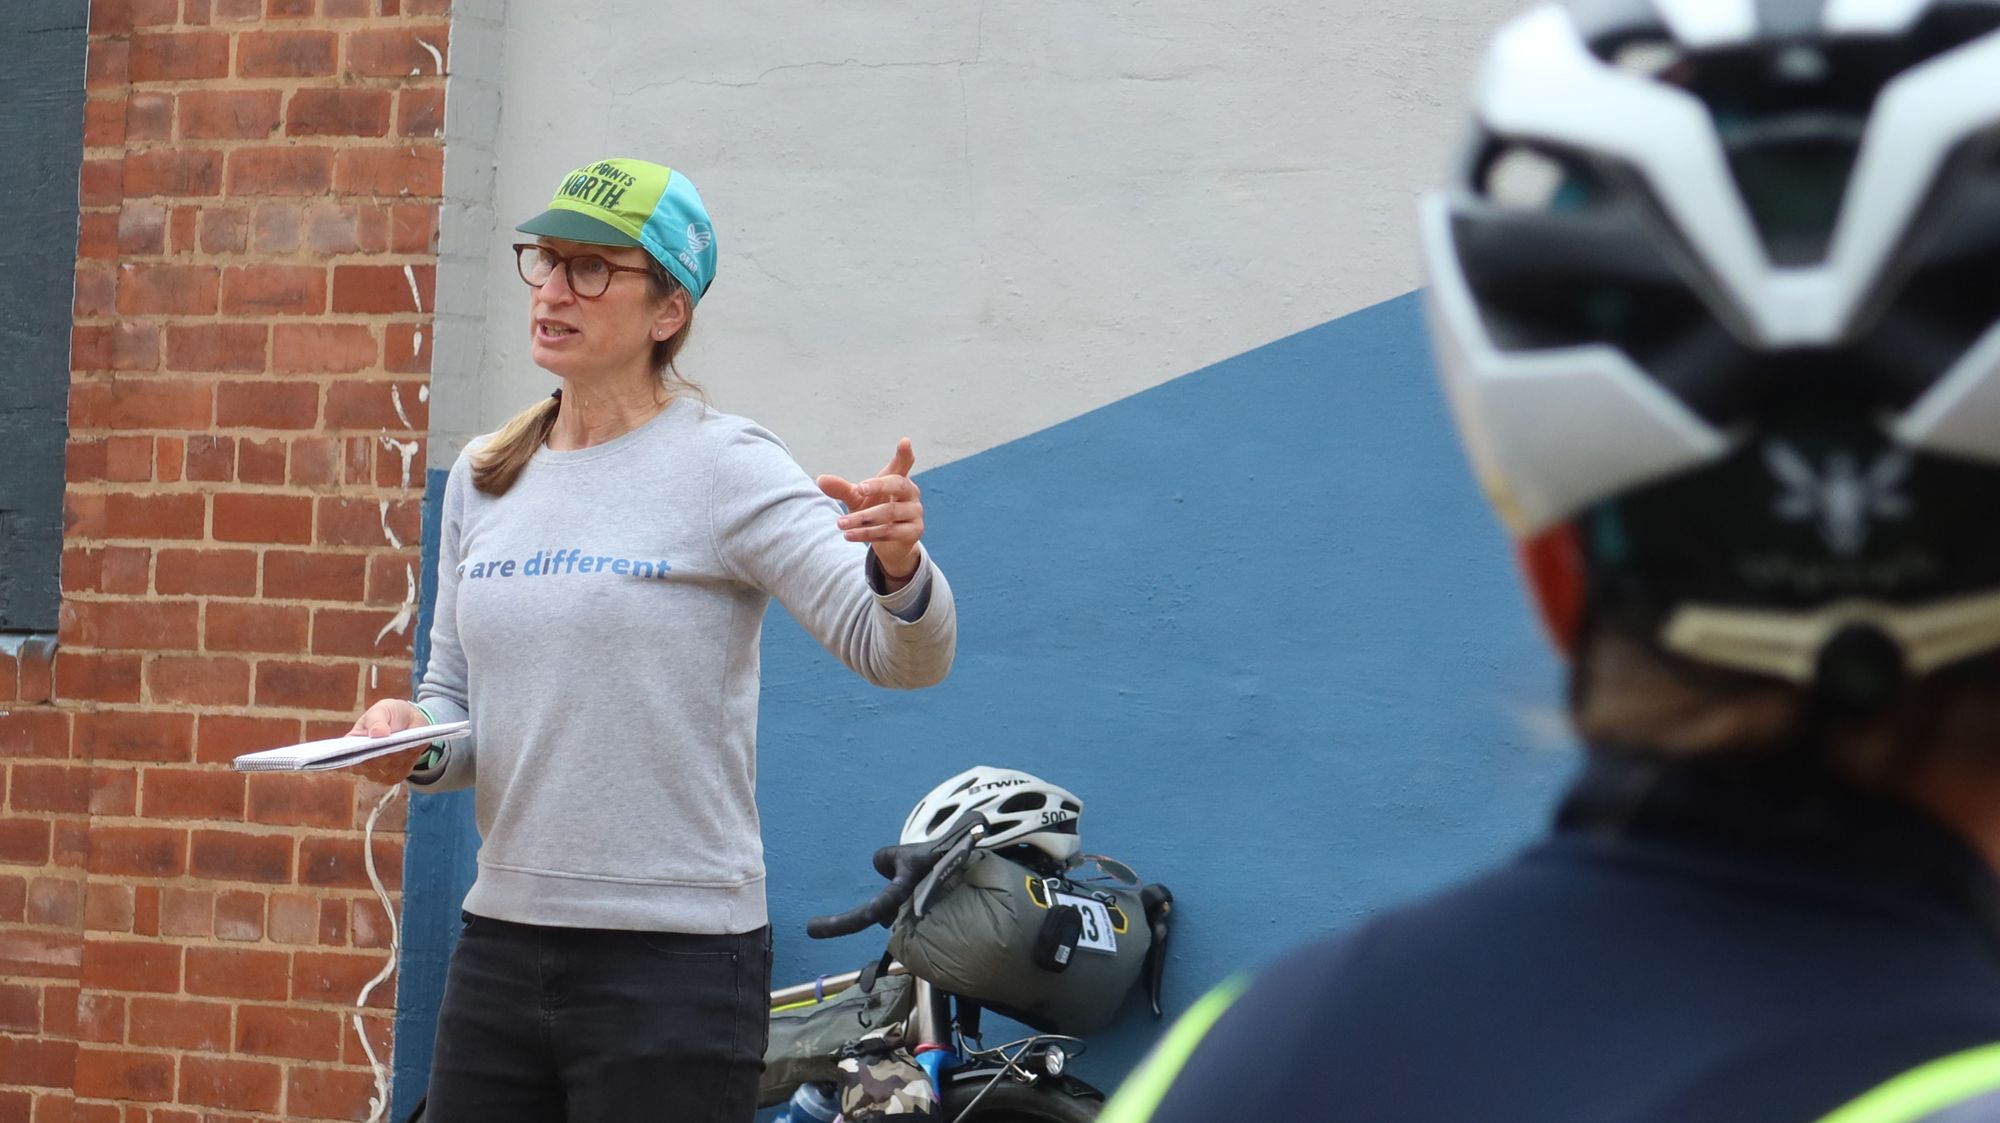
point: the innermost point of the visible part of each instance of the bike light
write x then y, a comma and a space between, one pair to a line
1054, 1060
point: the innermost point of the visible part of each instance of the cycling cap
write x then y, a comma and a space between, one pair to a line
1712, 293
1019, 808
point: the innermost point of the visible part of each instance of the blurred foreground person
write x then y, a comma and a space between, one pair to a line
1715, 294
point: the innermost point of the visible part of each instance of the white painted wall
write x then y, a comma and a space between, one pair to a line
960, 222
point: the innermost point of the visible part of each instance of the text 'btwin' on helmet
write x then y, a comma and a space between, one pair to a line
1715, 296
1019, 809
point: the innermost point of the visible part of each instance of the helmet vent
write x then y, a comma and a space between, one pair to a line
1026, 801
1524, 178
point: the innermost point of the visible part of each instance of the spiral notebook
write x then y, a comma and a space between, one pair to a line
339, 752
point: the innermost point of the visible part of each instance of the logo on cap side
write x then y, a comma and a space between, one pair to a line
699, 237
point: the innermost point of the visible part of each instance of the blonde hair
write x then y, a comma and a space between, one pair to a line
1625, 695
496, 466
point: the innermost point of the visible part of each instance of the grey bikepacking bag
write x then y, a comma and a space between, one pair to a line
806, 1040
1053, 955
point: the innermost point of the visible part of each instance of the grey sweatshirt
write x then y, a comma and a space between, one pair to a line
599, 624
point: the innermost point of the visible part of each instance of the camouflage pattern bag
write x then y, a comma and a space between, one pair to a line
879, 1079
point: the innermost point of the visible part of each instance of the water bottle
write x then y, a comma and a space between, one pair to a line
812, 1103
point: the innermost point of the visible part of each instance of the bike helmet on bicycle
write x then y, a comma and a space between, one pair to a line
1714, 298
1019, 808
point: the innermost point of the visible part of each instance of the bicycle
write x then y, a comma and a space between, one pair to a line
1022, 1081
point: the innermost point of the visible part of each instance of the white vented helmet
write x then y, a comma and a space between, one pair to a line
1712, 295
1019, 808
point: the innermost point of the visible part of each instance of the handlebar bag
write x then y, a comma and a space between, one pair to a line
806, 1039
978, 939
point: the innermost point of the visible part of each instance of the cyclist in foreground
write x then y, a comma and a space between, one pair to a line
1715, 296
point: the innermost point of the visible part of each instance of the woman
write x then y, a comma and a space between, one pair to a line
605, 561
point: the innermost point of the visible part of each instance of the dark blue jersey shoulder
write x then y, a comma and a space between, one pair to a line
1685, 946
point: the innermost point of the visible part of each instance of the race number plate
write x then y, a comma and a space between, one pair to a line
1097, 933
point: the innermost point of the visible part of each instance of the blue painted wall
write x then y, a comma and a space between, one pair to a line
1258, 618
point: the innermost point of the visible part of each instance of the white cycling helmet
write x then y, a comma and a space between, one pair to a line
1713, 296
1019, 809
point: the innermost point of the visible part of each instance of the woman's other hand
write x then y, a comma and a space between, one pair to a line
887, 512
390, 715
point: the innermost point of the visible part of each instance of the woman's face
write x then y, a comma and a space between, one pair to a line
597, 337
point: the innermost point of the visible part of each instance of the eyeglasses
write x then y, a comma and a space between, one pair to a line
588, 274
1098, 869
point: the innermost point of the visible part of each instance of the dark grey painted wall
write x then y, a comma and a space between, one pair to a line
42, 45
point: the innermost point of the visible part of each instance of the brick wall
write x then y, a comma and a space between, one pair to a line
251, 353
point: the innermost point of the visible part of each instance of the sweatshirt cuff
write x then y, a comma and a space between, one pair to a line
908, 603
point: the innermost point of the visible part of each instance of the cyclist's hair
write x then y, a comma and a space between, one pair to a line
1628, 696
496, 466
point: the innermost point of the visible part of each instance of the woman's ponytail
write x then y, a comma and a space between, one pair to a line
496, 466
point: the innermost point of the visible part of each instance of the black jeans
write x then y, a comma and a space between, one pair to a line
595, 1026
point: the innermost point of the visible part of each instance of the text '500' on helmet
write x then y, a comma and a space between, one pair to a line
1715, 293
1019, 808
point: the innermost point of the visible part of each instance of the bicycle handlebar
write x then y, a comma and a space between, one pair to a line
904, 866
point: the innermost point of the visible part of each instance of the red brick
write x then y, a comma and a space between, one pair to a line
235, 348
260, 462
225, 230
132, 735
228, 114
154, 13
332, 976
142, 228
239, 973
108, 907
187, 912
141, 404
154, 516
234, 856
290, 9
103, 123
395, 52
307, 686
267, 405
96, 287
370, 404
239, 916
114, 1074
315, 348
128, 965
101, 1018
335, 228
391, 579
206, 572
89, 347
155, 626
196, 680
97, 235
128, 459
174, 1023
88, 677
41, 955
55, 902
312, 575
304, 800
25, 842
61, 789
182, 172
369, 923
34, 732
390, 172
182, 794
420, 112
361, 522
280, 171
235, 11
106, 65
315, 462
355, 632
149, 115
100, 183
275, 232
138, 851
344, 111
211, 458
263, 518
21, 1008
232, 1084
181, 227
338, 863
273, 290
256, 627
283, 1031
285, 54
169, 453
167, 289
292, 918
348, 9
114, 791
383, 288
178, 56
69, 843
413, 227
328, 1093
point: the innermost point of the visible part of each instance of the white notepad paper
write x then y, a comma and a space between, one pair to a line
339, 752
